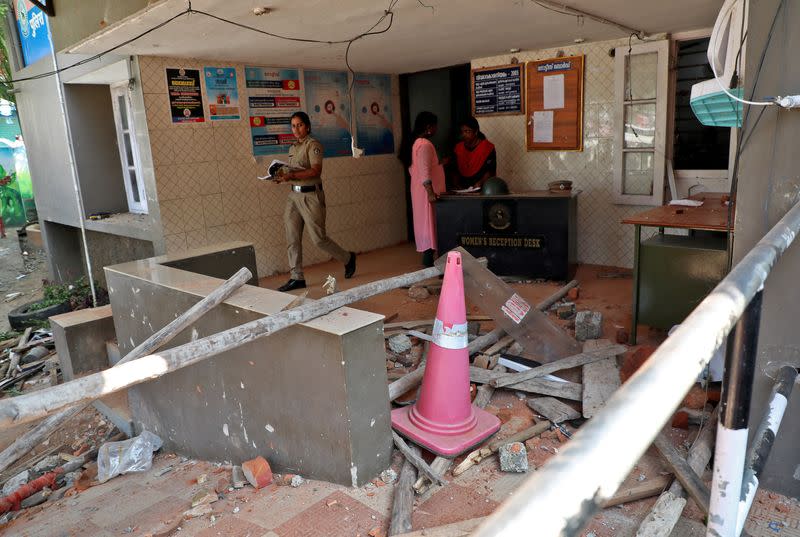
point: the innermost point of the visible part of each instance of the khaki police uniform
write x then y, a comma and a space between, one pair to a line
306, 207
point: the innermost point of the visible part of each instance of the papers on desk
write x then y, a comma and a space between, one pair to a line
686, 203
467, 190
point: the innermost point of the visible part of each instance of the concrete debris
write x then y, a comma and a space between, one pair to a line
297, 481
388, 476
71, 478
202, 478
514, 457
198, 511
418, 292
588, 325
237, 477
257, 472
15, 482
399, 344
47, 464
203, 497
36, 499
565, 310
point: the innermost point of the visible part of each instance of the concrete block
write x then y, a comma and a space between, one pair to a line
588, 325
80, 338
514, 457
311, 399
399, 344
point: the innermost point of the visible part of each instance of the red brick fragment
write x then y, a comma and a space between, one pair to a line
632, 361
622, 336
257, 472
680, 420
574, 293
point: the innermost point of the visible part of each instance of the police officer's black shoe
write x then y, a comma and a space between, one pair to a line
291, 285
350, 266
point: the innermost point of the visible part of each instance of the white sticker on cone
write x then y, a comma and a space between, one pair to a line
516, 308
450, 337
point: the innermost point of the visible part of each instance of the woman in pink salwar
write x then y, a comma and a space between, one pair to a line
427, 182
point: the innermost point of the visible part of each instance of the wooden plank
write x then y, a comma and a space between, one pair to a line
416, 460
569, 362
403, 502
684, 473
565, 390
600, 379
661, 519
553, 409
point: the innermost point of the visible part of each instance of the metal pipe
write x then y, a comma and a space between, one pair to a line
559, 498
72, 165
734, 416
764, 438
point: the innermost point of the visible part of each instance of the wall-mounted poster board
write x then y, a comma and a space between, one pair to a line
498, 90
554, 104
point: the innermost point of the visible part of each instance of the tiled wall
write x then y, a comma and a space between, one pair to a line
602, 239
208, 192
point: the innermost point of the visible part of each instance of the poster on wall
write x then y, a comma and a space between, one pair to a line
373, 106
34, 35
222, 93
273, 95
185, 95
329, 110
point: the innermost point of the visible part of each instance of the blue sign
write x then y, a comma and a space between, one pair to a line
34, 35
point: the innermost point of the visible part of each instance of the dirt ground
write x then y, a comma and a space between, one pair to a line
18, 273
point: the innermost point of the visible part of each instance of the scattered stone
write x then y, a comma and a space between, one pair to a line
47, 464
223, 484
257, 472
36, 499
388, 476
57, 494
405, 360
297, 481
574, 293
565, 310
71, 478
198, 511
514, 457
399, 344
418, 292
588, 325
376, 532
236, 509
202, 478
204, 496
641, 477
237, 477
15, 482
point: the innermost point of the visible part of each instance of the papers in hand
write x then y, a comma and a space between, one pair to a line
274, 169
686, 203
467, 190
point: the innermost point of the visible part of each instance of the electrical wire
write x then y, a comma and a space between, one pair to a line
189, 10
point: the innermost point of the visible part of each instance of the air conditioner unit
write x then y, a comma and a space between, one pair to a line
710, 103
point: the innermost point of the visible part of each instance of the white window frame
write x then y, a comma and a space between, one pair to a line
121, 90
662, 101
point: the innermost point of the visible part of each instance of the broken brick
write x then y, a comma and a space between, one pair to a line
257, 472
621, 336
573, 293
632, 361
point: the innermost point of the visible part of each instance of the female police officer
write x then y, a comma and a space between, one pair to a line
306, 204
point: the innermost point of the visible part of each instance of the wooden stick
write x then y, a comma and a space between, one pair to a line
52, 423
564, 363
403, 503
668, 508
416, 460
684, 473
465, 528
28, 407
477, 456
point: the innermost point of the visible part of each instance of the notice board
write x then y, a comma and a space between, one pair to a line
498, 90
554, 104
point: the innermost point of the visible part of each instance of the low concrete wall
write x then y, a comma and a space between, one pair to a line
312, 399
80, 338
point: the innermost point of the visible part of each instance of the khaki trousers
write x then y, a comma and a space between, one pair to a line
307, 209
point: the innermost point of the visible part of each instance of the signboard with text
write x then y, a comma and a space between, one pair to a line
34, 36
497, 90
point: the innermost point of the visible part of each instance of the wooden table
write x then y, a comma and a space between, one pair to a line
711, 216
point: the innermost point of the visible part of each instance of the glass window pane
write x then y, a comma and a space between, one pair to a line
640, 125
134, 185
123, 112
637, 176
641, 76
128, 149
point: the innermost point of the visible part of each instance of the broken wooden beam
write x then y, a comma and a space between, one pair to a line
553, 409
600, 378
403, 502
563, 389
477, 456
52, 423
684, 473
416, 460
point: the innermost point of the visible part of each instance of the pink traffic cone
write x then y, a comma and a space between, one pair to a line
443, 419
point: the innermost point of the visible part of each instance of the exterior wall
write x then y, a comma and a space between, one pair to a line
208, 192
76, 20
602, 239
768, 187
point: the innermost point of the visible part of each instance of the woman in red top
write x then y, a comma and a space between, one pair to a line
476, 158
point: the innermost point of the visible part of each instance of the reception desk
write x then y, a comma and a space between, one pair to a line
530, 234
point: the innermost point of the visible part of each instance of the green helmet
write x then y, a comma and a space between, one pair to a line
494, 186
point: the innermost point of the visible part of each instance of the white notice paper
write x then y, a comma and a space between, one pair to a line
553, 92
543, 127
